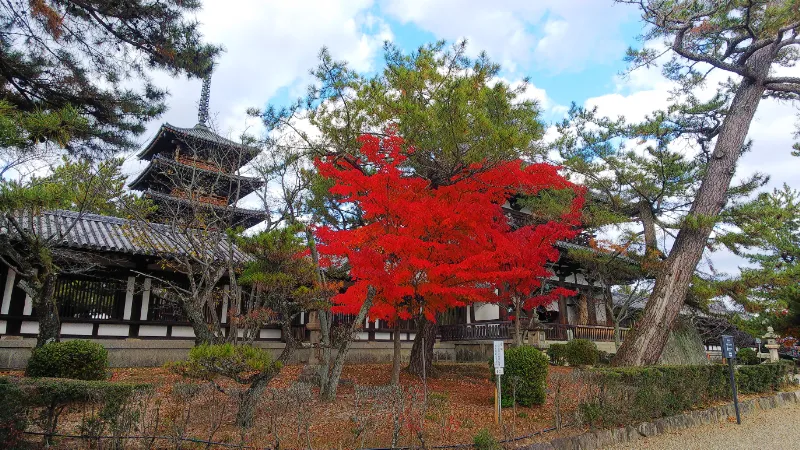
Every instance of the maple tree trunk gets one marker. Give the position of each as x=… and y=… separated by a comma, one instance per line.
x=328, y=391
x=644, y=344
x=517, y=330
x=422, y=350
x=46, y=309
x=397, y=355
x=194, y=314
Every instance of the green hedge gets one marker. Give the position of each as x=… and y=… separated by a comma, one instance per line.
x=763, y=377
x=526, y=374
x=557, y=354
x=581, y=352
x=621, y=396
x=43, y=400
x=747, y=356
x=78, y=359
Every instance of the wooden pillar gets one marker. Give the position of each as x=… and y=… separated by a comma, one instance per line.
x=563, y=314
x=591, y=303
x=145, y=298
x=126, y=313
x=9, y=289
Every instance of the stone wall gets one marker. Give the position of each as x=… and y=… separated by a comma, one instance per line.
x=629, y=434
x=14, y=352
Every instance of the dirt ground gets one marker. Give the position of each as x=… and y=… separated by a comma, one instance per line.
x=460, y=402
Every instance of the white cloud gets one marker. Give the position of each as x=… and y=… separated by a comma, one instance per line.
x=557, y=35
x=772, y=130
x=269, y=46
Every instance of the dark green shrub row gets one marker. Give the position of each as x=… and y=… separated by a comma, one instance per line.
x=581, y=352
x=80, y=360
x=524, y=377
x=43, y=400
x=557, y=354
x=621, y=396
x=763, y=377
x=747, y=356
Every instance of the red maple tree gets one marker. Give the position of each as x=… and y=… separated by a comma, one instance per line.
x=427, y=248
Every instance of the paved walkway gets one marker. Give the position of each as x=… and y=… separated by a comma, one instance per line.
x=773, y=429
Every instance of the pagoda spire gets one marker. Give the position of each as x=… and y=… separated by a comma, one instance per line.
x=205, y=94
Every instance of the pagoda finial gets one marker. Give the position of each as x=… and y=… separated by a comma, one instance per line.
x=205, y=94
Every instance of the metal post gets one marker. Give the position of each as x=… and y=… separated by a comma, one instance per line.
x=735, y=396
x=499, y=401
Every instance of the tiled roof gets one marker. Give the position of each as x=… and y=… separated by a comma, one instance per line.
x=252, y=215
x=247, y=184
x=81, y=231
x=198, y=132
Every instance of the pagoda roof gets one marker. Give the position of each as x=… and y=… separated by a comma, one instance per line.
x=246, y=184
x=197, y=133
x=241, y=216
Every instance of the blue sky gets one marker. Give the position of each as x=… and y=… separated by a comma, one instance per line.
x=572, y=51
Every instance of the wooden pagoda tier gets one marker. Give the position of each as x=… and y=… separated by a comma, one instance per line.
x=166, y=175
x=210, y=210
x=200, y=145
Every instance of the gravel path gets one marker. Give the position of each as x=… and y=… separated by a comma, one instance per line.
x=773, y=429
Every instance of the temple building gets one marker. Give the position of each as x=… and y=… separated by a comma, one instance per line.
x=193, y=172
x=193, y=178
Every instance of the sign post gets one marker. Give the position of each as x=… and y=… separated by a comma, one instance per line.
x=499, y=364
x=729, y=353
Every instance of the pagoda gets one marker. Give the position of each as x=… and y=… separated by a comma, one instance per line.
x=192, y=172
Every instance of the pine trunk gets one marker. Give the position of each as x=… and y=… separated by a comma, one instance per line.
x=644, y=344
x=422, y=350
x=396, y=360
x=517, y=318
x=47, y=310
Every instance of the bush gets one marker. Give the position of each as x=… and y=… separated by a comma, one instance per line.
x=763, y=378
x=581, y=352
x=557, y=354
x=13, y=418
x=48, y=398
x=79, y=360
x=623, y=396
x=525, y=373
x=747, y=356
x=232, y=361
x=485, y=441
x=604, y=358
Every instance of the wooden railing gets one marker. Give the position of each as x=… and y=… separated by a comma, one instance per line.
x=475, y=331
x=558, y=332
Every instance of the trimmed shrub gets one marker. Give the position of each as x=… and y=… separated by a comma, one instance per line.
x=623, y=396
x=604, y=358
x=557, y=354
x=761, y=378
x=747, y=356
x=13, y=418
x=581, y=352
x=44, y=399
x=206, y=361
x=526, y=375
x=78, y=359
x=485, y=441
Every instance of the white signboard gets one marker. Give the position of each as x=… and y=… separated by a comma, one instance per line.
x=499, y=357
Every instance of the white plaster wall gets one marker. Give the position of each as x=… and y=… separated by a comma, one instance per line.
x=152, y=330
x=3, y=325
x=107, y=329
x=82, y=329
x=601, y=312
x=486, y=311
x=182, y=332
x=29, y=328
x=383, y=336
x=270, y=333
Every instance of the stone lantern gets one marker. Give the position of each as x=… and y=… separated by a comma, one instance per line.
x=772, y=344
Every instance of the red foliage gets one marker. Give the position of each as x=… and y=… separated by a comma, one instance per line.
x=432, y=248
